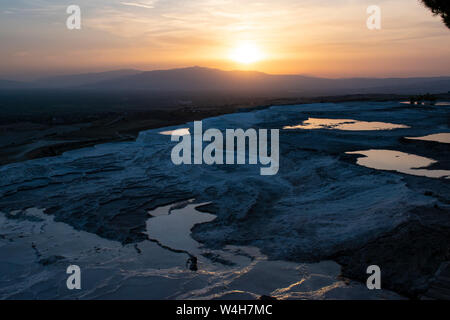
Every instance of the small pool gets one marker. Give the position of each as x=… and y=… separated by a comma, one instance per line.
x=179, y=132
x=438, y=137
x=171, y=227
x=399, y=161
x=345, y=124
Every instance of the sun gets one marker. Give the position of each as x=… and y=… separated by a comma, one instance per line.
x=246, y=53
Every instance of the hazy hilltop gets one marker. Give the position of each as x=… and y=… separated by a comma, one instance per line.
x=206, y=79
x=8, y=84
x=198, y=79
x=77, y=80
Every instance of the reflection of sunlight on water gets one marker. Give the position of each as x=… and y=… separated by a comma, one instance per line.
x=439, y=137
x=400, y=162
x=178, y=132
x=345, y=124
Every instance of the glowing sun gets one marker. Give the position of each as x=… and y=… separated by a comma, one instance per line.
x=246, y=53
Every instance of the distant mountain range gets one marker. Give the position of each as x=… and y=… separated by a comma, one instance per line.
x=7, y=84
x=78, y=80
x=197, y=79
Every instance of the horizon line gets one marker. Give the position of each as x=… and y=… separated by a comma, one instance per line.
x=55, y=75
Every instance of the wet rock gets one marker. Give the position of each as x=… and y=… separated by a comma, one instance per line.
x=267, y=298
x=51, y=260
x=408, y=257
x=440, y=284
x=216, y=258
x=191, y=263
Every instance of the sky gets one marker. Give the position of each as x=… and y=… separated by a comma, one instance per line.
x=327, y=38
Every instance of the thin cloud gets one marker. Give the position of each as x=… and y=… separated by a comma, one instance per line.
x=147, y=5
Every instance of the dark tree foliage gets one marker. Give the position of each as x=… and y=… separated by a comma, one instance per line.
x=440, y=7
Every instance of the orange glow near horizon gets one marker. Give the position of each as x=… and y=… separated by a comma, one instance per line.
x=329, y=39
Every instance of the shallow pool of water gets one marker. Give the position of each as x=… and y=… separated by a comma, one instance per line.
x=399, y=161
x=179, y=132
x=439, y=137
x=345, y=124
x=171, y=227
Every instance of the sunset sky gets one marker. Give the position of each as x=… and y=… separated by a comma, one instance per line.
x=315, y=37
